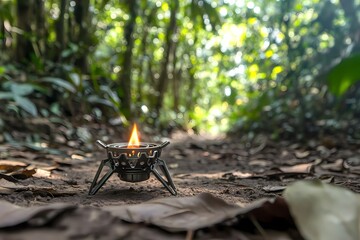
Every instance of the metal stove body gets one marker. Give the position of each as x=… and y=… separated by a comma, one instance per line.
x=133, y=164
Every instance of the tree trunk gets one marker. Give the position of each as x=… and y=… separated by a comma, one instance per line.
x=176, y=82
x=60, y=27
x=2, y=35
x=169, y=44
x=82, y=20
x=125, y=80
x=24, y=49
x=190, y=97
x=41, y=28
x=189, y=102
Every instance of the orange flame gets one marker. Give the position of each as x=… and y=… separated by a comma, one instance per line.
x=134, y=139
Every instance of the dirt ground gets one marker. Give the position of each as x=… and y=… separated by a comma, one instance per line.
x=232, y=169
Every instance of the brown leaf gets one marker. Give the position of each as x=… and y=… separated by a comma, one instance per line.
x=41, y=173
x=302, y=154
x=23, y=173
x=10, y=165
x=12, y=215
x=236, y=175
x=273, y=188
x=90, y=223
x=300, y=168
x=178, y=214
x=260, y=163
x=336, y=166
x=181, y=215
x=192, y=213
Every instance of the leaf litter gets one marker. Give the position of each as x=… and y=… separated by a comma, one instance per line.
x=309, y=210
x=228, y=170
x=15, y=170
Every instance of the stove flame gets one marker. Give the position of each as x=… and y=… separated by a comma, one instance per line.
x=134, y=139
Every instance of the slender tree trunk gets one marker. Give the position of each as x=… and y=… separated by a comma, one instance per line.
x=24, y=48
x=60, y=27
x=190, y=98
x=125, y=78
x=2, y=35
x=41, y=28
x=176, y=82
x=169, y=44
x=189, y=102
x=82, y=19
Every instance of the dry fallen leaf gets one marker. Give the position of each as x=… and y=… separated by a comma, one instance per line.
x=204, y=210
x=181, y=215
x=41, y=173
x=302, y=154
x=178, y=214
x=323, y=211
x=260, y=163
x=13, y=170
x=273, y=188
x=10, y=165
x=12, y=215
x=23, y=173
x=336, y=166
x=300, y=168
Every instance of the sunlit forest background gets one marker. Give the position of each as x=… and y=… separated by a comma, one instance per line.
x=288, y=68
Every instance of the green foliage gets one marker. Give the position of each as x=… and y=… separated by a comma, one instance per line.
x=65, y=85
x=256, y=65
x=19, y=94
x=344, y=75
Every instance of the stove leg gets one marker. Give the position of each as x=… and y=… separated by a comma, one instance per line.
x=95, y=185
x=169, y=184
x=165, y=170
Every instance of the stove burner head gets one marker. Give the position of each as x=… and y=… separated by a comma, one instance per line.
x=133, y=164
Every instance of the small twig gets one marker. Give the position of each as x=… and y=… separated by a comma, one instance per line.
x=258, y=227
x=189, y=235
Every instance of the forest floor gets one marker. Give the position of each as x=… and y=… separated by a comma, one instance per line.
x=225, y=167
x=228, y=168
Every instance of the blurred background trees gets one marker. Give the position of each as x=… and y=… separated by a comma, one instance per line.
x=286, y=67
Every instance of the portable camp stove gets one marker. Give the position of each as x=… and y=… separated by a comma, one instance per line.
x=133, y=164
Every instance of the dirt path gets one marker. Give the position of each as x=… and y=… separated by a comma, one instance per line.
x=230, y=169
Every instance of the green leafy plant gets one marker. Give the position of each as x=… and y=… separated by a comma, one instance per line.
x=19, y=93
x=344, y=75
